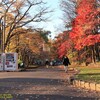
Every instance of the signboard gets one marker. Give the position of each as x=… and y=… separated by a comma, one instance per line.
x=11, y=61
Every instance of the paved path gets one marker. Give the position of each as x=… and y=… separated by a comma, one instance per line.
x=41, y=84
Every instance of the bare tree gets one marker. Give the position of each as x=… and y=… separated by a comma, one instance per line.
x=68, y=7
x=19, y=13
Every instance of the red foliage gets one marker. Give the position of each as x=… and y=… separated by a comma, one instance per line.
x=63, y=43
x=63, y=49
x=82, y=34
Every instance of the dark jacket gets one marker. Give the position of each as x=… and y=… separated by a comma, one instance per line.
x=66, y=61
x=47, y=62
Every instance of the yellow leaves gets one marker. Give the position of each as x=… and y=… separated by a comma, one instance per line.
x=19, y=4
x=30, y=41
x=9, y=17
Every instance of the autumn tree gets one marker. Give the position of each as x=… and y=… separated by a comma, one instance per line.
x=28, y=44
x=62, y=44
x=44, y=34
x=84, y=33
x=83, y=16
x=19, y=13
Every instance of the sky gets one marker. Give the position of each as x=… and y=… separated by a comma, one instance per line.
x=55, y=21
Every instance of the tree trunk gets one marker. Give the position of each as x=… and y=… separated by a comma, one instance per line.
x=97, y=49
x=93, y=54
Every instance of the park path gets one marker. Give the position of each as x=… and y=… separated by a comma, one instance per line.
x=42, y=84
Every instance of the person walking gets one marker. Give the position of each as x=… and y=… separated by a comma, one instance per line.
x=47, y=63
x=66, y=62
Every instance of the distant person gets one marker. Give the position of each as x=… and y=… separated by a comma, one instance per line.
x=47, y=63
x=66, y=62
x=51, y=63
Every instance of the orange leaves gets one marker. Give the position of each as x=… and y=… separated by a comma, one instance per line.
x=91, y=39
x=83, y=33
x=87, y=41
x=63, y=43
x=63, y=49
x=83, y=25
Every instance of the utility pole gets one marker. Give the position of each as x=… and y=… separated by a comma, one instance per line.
x=1, y=35
x=3, y=28
x=4, y=33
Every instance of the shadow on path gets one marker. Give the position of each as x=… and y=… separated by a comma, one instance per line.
x=50, y=97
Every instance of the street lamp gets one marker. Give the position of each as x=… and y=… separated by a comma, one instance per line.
x=50, y=40
x=1, y=35
x=2, y=27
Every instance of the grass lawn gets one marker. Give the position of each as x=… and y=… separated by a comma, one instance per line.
x=89, y=74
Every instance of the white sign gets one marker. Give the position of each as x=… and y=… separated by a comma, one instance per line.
x=11, y=61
